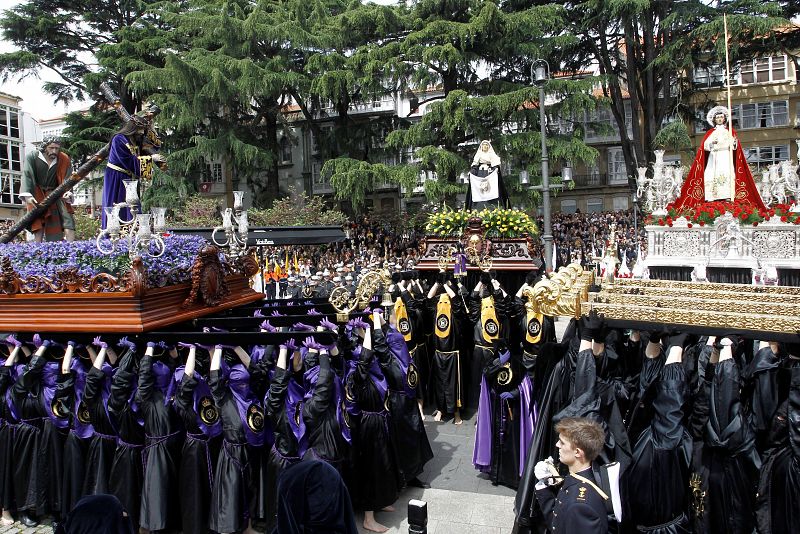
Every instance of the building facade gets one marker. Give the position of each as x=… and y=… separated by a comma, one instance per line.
x=12, y=156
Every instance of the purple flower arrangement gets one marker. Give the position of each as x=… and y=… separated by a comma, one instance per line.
x=46, y=259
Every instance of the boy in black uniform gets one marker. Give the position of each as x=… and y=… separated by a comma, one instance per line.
x=576, y=504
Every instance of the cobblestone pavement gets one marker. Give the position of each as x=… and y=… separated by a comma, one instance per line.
x=19, y=528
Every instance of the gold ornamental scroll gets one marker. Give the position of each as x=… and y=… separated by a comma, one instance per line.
x=562, y=293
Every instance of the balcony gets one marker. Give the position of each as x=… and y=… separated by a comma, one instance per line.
x=585, y=181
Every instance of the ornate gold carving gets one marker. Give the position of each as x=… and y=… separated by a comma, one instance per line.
x=705, y=286
x=369, y=286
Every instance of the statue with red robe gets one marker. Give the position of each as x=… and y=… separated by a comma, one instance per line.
x=719, y=171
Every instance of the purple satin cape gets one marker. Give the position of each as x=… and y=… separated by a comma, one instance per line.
x=527, y=420
x=50, y=373
x=239, y=385
x=200, y=391
x=82, y=430
x=294, y=401
x=482, y=452
x=310, y=378
x=399, y=349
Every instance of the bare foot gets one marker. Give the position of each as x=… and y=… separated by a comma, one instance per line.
x=389, y=508
x=457, y=420
x=437, y=415
x=370, y=523
x=6, y=522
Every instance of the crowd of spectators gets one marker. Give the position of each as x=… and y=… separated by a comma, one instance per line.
x=584, y=236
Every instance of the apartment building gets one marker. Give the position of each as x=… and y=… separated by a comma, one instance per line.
x=12, y=155
x=765, y=106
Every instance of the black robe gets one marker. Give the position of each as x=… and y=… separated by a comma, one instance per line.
x=411, y=443
x=323, y=431
x=198, y=456
x=376, y=479
x=127, y=473
x=447, y=369
x=727, y=464
x=655, y=486
x=94, y=409
x=506, y=421
x=287, y=448
x=160, y=505
x=8, y=424
x=29, y=447
x=231, y=494
x=778, y=502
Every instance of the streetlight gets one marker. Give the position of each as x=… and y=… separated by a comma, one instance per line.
x=540, y=73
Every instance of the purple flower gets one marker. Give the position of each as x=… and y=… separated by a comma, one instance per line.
x=48, y=258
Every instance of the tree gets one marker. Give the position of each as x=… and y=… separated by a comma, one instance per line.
x=646, y=53
x=477, y=54
x=83, y=42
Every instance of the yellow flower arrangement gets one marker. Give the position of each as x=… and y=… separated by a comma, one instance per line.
x=504, y=223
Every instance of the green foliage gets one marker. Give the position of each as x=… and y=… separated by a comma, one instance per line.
x=86, y=226
x=197, y=211
x=166, y=191
x=297, y=210
x=673, y=137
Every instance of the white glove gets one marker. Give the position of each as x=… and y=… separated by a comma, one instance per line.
x=159, y=158
x=496, y=285
x=541, y=470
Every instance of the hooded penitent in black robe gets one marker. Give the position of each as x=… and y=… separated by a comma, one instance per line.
x=8, y=423
x=160, y=508
x=325, y=416
x=76, y=446
x=490, y=329
x=407, y=429
x=376, y=479
x=778, y=501
x=314, y=500
x=447, y=369
x=505, y=426
x=195, y=405
x=29, y=450
x=283, y=407
x=727, y=464
x=655, y=486
x=93, y=410
x=126, y=477
x=242, y=419
x=54, y=433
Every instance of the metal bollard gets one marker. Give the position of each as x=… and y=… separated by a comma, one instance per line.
x=417, y=517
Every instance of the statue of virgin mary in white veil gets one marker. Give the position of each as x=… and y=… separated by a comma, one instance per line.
x=486, y=188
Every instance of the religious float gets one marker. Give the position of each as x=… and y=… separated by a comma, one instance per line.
x=719, y=224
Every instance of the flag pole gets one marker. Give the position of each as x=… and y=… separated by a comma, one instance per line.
x=732, y=162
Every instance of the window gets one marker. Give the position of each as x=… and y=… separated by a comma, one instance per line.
x=710, y=76
x=324, y=135
x=620, y=203
x=594, y=205
x=569, y=206
x=761, y=115
x=387, y=204
x=761, y=157
x=317, y=176
x=286, y=150
x=9, y=189
x=616, y=167
x=764, y=69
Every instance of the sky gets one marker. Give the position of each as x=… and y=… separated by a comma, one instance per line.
x=34, y=100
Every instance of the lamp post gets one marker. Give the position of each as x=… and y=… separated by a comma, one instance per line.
x=540, y=72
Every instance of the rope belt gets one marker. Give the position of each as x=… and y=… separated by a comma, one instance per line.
x=203, y=439
x=120, y=169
